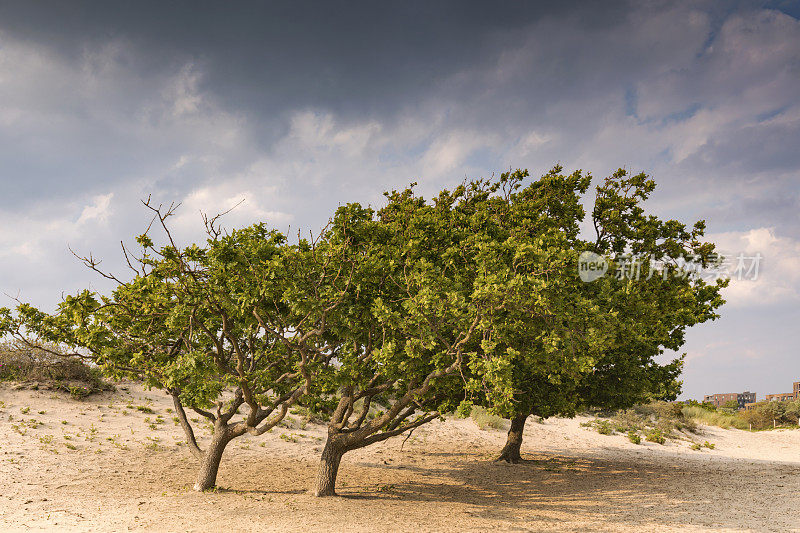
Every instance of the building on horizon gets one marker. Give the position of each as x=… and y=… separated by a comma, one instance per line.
x=741, y=398
x=781, y=397
x=786, y=396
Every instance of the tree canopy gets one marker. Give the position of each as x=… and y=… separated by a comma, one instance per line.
x=390, y=317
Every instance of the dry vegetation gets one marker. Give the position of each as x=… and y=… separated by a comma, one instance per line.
x=659, y=422
x=37, y=368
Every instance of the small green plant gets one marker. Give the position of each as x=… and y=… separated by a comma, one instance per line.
x=78, y=392
x=708, y=445
x=655, y=435
x=31, y=423
x=634, y=437
x=604, y=427
x=92, y=434
x=144, y=409
x=70, y=446
x=46, y=439
x=288, y=438
x=119, y=445
x=696, y=446
x=25, y=410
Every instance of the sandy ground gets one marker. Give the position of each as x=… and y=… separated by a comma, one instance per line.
x=99, y=465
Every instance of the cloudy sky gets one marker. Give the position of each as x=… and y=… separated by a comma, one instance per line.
x=297, y=107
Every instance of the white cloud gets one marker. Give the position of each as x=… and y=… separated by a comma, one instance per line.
x=450, y=152
x=777, y=273
x=99, y=209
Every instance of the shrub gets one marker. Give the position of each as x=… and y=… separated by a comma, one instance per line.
x=706, y=417
x=484, y=418
x=464, y=409
x=696, y=446
x=23, y=363
x=288, y=438
x=655, y=435
x=763, y=415
x=634, y=437
x=628, y=420
x=318, y=413
x=604, y=427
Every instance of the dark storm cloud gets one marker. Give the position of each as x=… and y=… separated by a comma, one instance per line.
x=263, y=60
x=349, y=57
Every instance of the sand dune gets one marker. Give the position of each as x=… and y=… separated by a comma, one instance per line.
x=97, y=465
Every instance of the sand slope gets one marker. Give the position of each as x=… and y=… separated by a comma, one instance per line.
x=124, y=475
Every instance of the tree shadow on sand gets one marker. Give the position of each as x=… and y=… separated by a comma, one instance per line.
x=634, y=491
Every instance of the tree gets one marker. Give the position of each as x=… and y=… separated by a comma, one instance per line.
x=406, y=326
x=544, y=333
x=732, y=405
x=435, y=274
x=600, y=349
x=235, y=324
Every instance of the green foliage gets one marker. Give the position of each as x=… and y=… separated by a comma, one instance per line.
x=289, y=438
x=731, y=405
x=634, y=437
x=558, y=345
x=604, y=427
x=464, y=409
x=655, y=435
x=392, y=316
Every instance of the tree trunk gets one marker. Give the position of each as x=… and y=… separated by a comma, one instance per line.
x=328, y=468
x=209, y=465
x=510, y=453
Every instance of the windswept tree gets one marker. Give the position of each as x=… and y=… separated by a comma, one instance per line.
x=390, y=317
x=407, y=326
x=237, y=324
x=432, y=274
x=615, y=329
